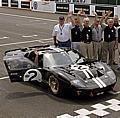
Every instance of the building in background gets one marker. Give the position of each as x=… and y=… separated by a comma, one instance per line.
x=111, y=2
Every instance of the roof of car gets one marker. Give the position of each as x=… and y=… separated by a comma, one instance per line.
x=50, y=50
x=40, y=49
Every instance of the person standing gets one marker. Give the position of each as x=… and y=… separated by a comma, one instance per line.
x=116, y=53
x=87, y=48
x=110, y=42
x=97, y=30
x=76, y=33
x=116, y=21
x=62, y=32
x=118, y=46
x=97, y=40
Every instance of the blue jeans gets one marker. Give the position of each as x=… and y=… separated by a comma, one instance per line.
x=64, y=44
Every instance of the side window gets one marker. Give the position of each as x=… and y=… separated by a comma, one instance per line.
x=13, y=64
x=18, y=64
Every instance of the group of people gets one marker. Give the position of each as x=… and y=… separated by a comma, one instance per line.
x=98, y=40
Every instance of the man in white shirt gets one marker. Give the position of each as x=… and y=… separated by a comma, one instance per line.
x=62, y=32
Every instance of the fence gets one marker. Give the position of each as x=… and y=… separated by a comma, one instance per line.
x=61, y=7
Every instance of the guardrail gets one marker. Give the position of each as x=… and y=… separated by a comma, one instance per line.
x=60, y=7
x=25, y=4
x=88, y=8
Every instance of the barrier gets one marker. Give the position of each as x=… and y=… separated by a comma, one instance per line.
x=14, y=3
x=100, y=9
x=85, y=7
x=44, y=6
x=26, y=4
x=88, y=8
x=4, y=2
x=62, y=6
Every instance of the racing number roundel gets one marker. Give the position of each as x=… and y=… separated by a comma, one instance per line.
x=35, y=5
x=33, y=74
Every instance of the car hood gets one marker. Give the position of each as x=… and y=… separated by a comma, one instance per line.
x=85, y=72
x=90, y=74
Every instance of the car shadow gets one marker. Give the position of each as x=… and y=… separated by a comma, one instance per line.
x=67, y=98
x=82, y=100
x=18, y=95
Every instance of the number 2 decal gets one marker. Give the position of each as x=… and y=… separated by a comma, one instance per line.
x=32, y=74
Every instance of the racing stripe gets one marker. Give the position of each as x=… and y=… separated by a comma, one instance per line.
x=104, y=85
x=97, y=82
x=86, y=73
x=88, y=70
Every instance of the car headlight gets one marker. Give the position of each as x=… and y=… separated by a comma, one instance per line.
x=111, y=74
x=77, y=83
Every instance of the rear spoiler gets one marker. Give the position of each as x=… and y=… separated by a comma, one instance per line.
x=27, y=48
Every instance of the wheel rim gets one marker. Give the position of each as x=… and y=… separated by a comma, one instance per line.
x=54, y=85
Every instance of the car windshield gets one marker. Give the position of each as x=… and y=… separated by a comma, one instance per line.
x=57, y=59
x=75, y=56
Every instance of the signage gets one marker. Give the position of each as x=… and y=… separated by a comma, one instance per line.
x=78, y=7
x=35, y=5
x=104, y=9
x=61, y=7
x=25, y=4
x=4, y=2
x=14, y=3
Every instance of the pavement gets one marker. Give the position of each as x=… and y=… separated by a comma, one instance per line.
x=22, y=28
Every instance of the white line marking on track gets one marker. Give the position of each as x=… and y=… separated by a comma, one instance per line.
x=1, y=78
x=35, y=35
x=25, y=36
x=28, y=17
x=8, y=44
x=47, y=39
x=5, y=37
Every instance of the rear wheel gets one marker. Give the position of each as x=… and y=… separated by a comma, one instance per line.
x=55, y=85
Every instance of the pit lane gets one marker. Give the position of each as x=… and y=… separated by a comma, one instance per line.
x=31, y=100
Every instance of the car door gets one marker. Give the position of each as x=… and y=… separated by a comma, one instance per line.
x=21, y=69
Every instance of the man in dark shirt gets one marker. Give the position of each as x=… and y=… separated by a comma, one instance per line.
x=110, y=41
x=87, y=39
x=76, y=34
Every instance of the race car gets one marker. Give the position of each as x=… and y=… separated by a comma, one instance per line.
x=60, y=69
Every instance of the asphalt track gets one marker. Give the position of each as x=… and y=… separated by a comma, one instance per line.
x=21, y=28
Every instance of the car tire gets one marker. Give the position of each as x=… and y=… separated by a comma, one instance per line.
x=55, y=86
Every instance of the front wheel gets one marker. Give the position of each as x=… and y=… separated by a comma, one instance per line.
x=55, y=85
